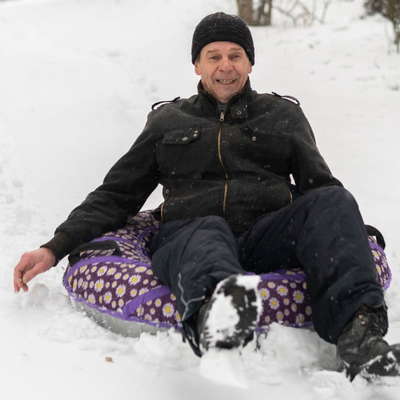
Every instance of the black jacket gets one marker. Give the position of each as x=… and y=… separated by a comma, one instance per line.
x=236, y=164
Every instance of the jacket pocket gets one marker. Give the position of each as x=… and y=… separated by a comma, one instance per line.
x=180, y=154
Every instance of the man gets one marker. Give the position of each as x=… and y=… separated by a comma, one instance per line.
x=225, y=158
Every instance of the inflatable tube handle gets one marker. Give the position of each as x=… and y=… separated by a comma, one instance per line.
x=75, y=254
x=372, y=231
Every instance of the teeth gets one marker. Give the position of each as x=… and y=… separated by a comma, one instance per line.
x=226, y=81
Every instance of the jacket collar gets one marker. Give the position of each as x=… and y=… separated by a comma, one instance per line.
x=236, y=106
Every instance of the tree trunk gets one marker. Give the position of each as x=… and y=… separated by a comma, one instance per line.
x=246, y=11
x=261, y=16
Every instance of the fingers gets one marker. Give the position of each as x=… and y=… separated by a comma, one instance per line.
x=19, y=272
x=32, y=264
x=31, y=273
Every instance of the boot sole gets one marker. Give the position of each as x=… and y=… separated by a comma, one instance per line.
x=387, y=364
x=233, y=314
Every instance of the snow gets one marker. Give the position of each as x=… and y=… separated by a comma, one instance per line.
x=228, y=318
x=224, y=367
x=223, y=314
x=77, y=79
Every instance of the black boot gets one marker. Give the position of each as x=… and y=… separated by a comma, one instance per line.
x=228, y=320
x=362, y=350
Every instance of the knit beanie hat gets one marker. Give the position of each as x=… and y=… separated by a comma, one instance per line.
x=221, y=27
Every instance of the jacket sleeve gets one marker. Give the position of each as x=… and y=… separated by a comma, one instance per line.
x=125, y=189
x=309, y=168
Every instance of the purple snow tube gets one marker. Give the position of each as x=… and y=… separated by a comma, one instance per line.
x=111, y=280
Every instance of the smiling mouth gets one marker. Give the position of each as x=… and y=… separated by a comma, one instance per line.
x=226, y=81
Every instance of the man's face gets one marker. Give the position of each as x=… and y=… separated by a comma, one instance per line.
x=224, y=68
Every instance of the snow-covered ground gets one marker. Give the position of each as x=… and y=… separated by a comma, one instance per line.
x=77, y=79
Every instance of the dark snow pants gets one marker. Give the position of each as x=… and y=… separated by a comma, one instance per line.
x=321, y=232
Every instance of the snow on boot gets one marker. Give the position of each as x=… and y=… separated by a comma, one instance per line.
x=362, y=350
x=228, y=320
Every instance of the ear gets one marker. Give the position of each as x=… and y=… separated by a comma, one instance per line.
x=197, y=69
x=250, y=69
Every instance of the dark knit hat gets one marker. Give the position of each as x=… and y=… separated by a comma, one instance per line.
x=221, y=27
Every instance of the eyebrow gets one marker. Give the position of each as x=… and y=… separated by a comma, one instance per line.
x=231, y=49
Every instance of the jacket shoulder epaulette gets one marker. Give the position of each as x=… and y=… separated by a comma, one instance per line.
x=287, y=97
x=159, y=103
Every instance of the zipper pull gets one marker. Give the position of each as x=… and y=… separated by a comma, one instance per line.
x=222, y=116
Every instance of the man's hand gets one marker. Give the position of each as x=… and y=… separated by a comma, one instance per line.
x=32, y=264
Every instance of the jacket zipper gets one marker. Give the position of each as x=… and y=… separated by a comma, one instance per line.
x=291, y=196
x=222, y=118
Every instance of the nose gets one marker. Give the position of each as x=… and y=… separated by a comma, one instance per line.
x=225, y=64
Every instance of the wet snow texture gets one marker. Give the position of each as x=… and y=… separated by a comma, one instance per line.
x=223, y=316
x=77, y=79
